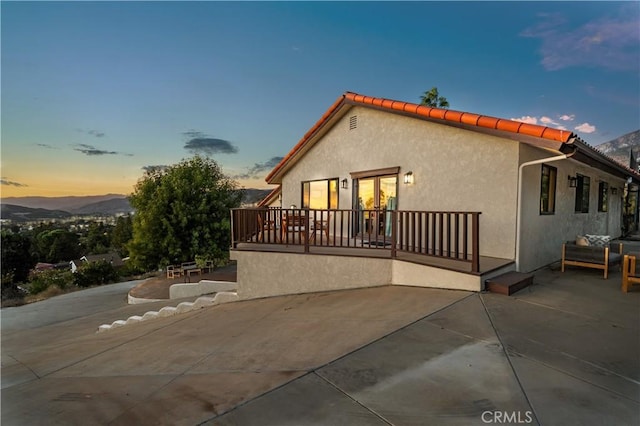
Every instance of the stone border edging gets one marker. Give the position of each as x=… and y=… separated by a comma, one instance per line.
x=167, y=311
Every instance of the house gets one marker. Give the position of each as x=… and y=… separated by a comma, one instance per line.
x=414, y=195
x=111, y=257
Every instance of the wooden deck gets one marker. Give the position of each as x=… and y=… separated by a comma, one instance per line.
x=487, y=264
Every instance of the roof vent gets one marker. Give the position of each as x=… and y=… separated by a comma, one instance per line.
x=353, y=122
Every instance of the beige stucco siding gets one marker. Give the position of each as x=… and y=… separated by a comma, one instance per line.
x=454, y=169
x=263, y=274
x=543, y=235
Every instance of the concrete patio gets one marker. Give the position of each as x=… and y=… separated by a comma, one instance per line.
x=563, y=351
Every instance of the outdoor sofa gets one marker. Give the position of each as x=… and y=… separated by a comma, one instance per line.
x=592, y=251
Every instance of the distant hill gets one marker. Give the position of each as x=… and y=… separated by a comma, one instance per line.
x=25, y=214
x=619, y=148
x=60, y=203
x=109, y=204
x=252, y=196
x=109, y=207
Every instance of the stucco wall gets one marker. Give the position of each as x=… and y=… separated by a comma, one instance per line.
x=543, y=235
x=453, y=169
x=263, y=274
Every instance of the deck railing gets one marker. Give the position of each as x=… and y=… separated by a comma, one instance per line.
x=440, y=234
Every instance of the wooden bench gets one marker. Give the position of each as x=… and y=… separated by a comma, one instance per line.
x=629, y=276
x=591, y=256
x=174, y=271
x=189, y=268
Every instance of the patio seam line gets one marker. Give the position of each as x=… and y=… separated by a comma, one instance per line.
x=313, y=370
x=27, y=367
x=108, y=349
x=521, y=355
x=506, y=354
x=183, y=373
x=243, y=403
x=567, y=312
x=333, y=385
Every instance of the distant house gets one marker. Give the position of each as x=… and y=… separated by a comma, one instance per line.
x=111, y=257
x=389, y=192
x=42, y=266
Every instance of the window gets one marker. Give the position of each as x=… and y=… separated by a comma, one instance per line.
x=583, y=185
x=603, y=199
x=320, y=194
x=548, y=190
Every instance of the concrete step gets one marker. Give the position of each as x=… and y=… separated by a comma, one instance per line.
x=509, y=283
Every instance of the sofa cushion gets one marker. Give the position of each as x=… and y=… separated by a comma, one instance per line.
x=598, y=240
x=582, y=241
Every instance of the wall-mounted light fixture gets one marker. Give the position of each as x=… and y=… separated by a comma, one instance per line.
x=408, y=178
x=614, y=191
x=344, y=183
x=573, y=181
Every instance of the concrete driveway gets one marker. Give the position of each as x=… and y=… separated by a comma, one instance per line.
x=566, y=351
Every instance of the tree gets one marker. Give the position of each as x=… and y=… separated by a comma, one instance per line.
x=57, y=245
x=433, y=99
x=97, y=240
x=182, y=212
x=122, y=234
x=16, y=257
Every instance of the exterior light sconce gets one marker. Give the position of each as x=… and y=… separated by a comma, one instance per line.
x=344, y=182
x=408, y=178
x=573, y=181
x=614, y=191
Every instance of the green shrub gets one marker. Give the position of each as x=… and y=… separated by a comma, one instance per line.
x=95, y=273
x=10, y=289
x=129, y=270
x=40, y=281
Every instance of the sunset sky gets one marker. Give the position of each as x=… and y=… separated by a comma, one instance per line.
x=94, y=92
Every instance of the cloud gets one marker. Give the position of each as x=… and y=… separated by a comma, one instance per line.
x=526, y=119
x=546, y=120
x=199, y=143
x=96, y=133
x=44, y=145
x=6, y=182
x=258, y=169
x=586, y=128
x=93, y=151
x=608, y=42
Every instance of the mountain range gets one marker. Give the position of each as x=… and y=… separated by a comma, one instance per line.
x=22, y=209
x=619, y=148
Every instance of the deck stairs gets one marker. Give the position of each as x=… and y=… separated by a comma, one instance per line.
x=509, y=283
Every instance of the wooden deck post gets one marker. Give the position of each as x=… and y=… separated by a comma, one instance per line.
x=394, y=219
x=475, y=241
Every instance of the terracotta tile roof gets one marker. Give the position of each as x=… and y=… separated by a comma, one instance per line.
x=481, y=122
x=463, y=117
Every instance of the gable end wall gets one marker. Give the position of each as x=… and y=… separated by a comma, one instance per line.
x=453, y=169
